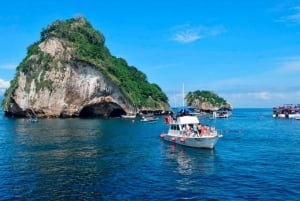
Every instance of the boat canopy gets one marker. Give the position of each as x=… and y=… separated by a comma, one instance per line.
x=187, y=120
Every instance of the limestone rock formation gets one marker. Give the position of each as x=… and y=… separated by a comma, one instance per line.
x=60, y=77
x=207, y=106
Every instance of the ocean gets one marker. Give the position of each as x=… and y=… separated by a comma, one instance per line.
x=258, y=158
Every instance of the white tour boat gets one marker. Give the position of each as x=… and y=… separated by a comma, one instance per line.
x=186, y=130
x=287, y=111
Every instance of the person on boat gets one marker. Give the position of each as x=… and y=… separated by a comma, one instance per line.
x=188, y=130
x=184, y=130
x=199, y=128
x=195, y=130
x=205, y=130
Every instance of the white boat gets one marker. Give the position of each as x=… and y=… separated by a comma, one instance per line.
x=294, y=116
x=221, y=114
x=186, y=130
x=287, y=111
x=149, y=119
x=129, y=116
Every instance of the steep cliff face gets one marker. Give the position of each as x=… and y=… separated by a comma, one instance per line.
x=55, y=80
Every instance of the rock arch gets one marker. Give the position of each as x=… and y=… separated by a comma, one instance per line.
x=103, y=109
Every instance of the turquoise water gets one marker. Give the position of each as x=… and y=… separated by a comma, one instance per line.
x=258, y=158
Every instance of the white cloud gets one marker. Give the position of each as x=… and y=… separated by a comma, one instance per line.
x=290, y=65
x=187, y=33
x=294, y=17
x=264, y=95
x=262, y=98
x=187, y=36
x=3, y=85
x=283, y=75
x=8, y=66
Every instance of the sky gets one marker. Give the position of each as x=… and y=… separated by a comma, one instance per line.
x=247, y=52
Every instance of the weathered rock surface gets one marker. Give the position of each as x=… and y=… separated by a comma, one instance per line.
x=206, y=106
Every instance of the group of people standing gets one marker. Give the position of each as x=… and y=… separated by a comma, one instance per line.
x=196, y=130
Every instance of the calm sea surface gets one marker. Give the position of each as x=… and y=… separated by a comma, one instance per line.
x=258, y=158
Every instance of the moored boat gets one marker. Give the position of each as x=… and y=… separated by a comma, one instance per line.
x=129, y=116
x=221, y=114
x=149, y=119
x=287, y=111
x=186, y=130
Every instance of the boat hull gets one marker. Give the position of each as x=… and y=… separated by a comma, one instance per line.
x=128, y=116
x=149, y=119
x=196, y=142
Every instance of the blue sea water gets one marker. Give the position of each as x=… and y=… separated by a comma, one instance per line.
x=258, y=158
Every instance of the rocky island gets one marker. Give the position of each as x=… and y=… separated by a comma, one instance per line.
x=206, y=101
x=70, y=72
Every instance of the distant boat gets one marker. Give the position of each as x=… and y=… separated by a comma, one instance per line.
x=287, y=111
x=129, y=116
x=186, y=130
x=149, y=118
x=221, y=114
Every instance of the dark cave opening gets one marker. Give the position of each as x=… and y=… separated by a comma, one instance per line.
x=117, y=113
x=102, y=110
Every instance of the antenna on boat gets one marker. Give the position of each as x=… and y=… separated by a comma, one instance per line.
x=182, y=94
